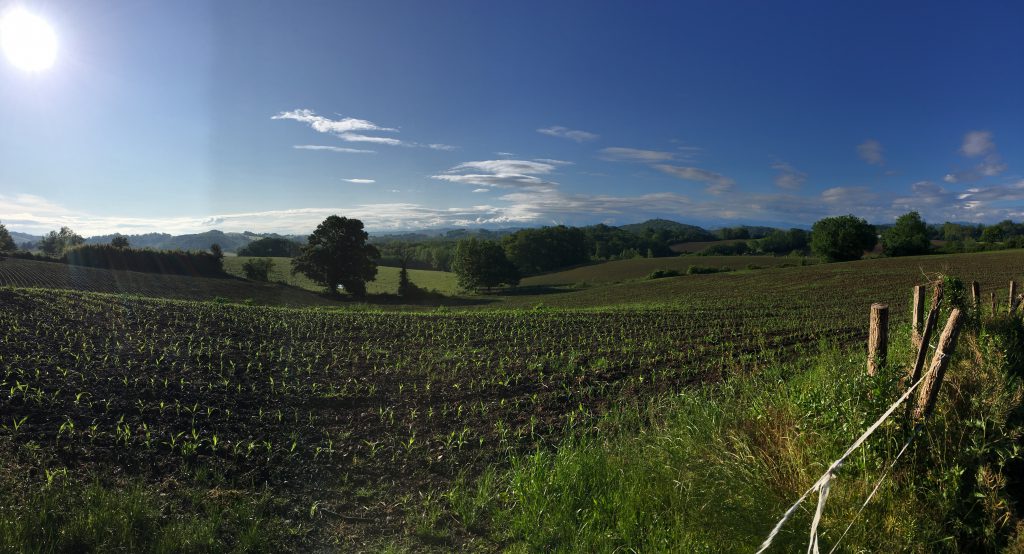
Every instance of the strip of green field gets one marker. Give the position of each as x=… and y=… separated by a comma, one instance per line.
x=385, y=283
x=639, y=268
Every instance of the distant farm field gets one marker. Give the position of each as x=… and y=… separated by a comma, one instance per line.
x=385, y=283
x=32, y=273
x=639, y=268
x=828, y=288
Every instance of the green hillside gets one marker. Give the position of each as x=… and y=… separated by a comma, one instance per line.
x=385, y=283
x=639, y=268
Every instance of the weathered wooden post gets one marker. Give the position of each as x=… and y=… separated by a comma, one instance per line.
x=976, y=295
x=992, y=295
x=926, y=337
x=878, y=337
x=918, y=316
x=1013, y=295
x=940, y=361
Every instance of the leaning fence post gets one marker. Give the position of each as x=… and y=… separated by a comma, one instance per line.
x=878, y=337
x=940, y=361
x=918, y=315
x=1013, y=295
x=926, y=337
x=976, y=294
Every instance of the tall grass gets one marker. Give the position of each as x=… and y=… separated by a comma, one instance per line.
x=712, y=470
x=68, y=516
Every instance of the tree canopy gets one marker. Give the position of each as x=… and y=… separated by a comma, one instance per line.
x=908, y=237
x=271, y=247
x=842, y=238
x=547, y=248
x=55, y=243
x=337, y=254
x=6, y=242
x=119, y=241
x=482, y=264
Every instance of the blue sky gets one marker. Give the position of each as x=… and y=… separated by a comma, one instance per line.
x=269, y=116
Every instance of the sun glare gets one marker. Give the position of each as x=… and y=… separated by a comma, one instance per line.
x=27, y=40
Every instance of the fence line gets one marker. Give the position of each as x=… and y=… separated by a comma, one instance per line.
x=829, y=473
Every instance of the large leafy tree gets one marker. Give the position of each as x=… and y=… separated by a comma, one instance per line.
x=6, y=242
x=843, y=238
x=547, y=248
x=908, y=237
x=482, y=264
x=337, y=254
x=55, y=243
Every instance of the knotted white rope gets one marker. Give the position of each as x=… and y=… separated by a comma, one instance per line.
x=823, y=482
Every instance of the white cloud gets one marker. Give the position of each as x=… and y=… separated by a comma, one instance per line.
x=438, y=146
x=571, y=134
x=325, y=125
x=552, y=162
x=871, y=152
x=716, y=183
x=977, y=143
x=789, y=177
x=502, y=174
x=621, y=154
x=350, y=129
x=357, y=137
x=481, y=190
x=361, y=181
x=333, y=149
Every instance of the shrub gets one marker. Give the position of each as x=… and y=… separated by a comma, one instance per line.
x=258, y=269
x=701, y=270
x=662, y=273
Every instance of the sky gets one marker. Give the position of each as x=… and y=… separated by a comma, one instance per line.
x=188, y=116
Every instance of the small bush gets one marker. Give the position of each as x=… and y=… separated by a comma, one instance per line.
x=662, y=273
x=258, y=269
x=701, y=270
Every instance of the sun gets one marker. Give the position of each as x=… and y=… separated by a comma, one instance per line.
x=27, y=40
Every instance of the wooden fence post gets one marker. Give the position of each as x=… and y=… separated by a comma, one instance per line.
x=976, y=294
x=926, y=337
x=918, y=315
x=992, y=295
x=878, y=337
x=940, y=361
x=1013, y=295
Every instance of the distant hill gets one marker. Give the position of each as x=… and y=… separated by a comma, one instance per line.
x=682, y=231
x=20, y=238
x=229, y=242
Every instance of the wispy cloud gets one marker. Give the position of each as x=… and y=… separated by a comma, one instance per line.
x=357, y=137
x=325, y=125
x=361, y=181
x=502, y=174
x=350, y=129
x=621, y=154
x=978, y=144
x=871, y=152
x=789, y=177
x=341, y=149
x=571, y=134
x=716, y=183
